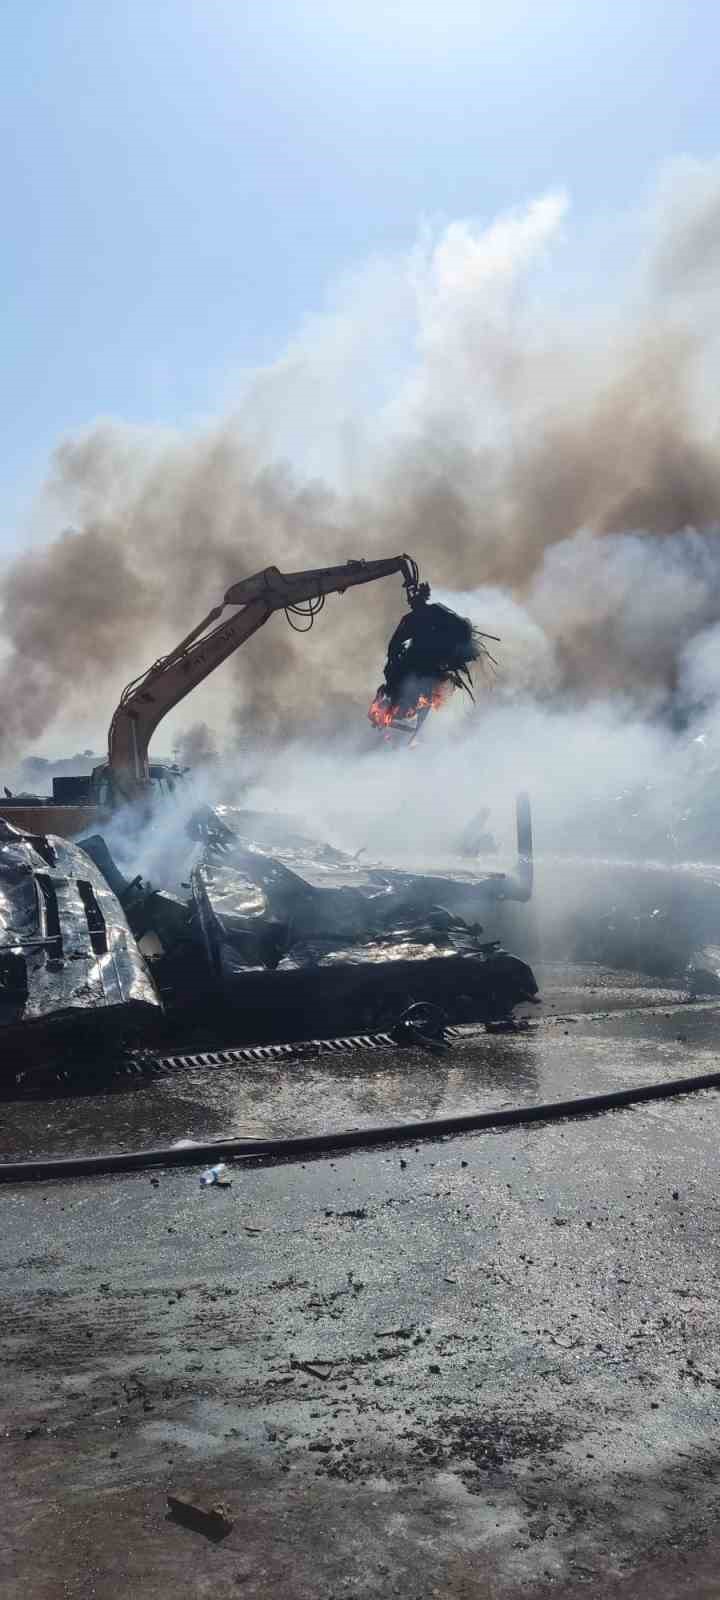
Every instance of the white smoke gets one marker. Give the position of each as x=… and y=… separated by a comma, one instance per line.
x=558, y=477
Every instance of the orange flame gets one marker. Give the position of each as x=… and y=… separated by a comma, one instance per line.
x=385, y=716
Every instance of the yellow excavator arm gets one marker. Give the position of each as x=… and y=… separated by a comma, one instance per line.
x=150, y=697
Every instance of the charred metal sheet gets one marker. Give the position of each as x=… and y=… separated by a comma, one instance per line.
x=472, y=890
x=328, y=937
x=288, y=1004
x=66, y=952
x=148, y=910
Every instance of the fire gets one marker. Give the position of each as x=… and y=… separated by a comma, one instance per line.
x=436, y=699
x=384, y=715
x=381, y=714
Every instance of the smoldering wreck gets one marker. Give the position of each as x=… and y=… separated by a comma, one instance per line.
x=277, y=940
x=280, y=935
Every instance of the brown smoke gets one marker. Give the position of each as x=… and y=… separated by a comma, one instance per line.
x=600, y=434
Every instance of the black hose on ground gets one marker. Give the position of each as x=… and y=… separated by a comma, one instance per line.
x=353, y=1138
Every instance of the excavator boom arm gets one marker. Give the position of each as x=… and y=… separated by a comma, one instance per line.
x=149, y=698
x=293, y=588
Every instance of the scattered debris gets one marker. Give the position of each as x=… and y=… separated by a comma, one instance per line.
x=214, y=1522
x=312, y=1368
x=217, y=1176
x=515, y=1024
x=422, y=1025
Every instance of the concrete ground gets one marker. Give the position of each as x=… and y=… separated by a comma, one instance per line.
x=480, y=1367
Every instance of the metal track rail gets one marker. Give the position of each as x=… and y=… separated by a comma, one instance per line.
x=307, y=1049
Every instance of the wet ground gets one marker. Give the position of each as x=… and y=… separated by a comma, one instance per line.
x=562, y=1050
x=480, y=1367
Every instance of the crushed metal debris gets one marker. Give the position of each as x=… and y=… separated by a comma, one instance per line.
x=272, y=935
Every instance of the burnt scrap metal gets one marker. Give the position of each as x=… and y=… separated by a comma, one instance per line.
x=151, y=913
x=67, y=955
x=307, y=926
x=430, y=654
x=284, y=939
x=301, y=938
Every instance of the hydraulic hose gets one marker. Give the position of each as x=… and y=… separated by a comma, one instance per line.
x=305, y=1144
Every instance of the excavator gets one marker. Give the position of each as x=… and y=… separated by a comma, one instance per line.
x=128, y=776
x=303, y=931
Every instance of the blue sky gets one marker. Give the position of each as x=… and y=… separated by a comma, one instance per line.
x=183, y=179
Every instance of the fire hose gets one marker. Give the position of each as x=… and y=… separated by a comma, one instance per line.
x=308, y=1144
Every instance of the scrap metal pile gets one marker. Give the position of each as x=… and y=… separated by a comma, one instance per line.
x=431, y=653
x=314, y=927
x=278, y=940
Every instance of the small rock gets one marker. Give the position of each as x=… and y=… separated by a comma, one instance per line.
x=433, y=1368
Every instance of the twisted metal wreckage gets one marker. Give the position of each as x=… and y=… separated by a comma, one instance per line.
x=282, y=935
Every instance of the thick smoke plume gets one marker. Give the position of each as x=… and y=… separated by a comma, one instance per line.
x=559, y=468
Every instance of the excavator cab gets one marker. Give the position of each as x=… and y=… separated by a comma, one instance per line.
x=107, y=796
x=166, y=779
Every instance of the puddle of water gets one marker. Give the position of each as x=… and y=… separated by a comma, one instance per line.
x=558, y=1059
